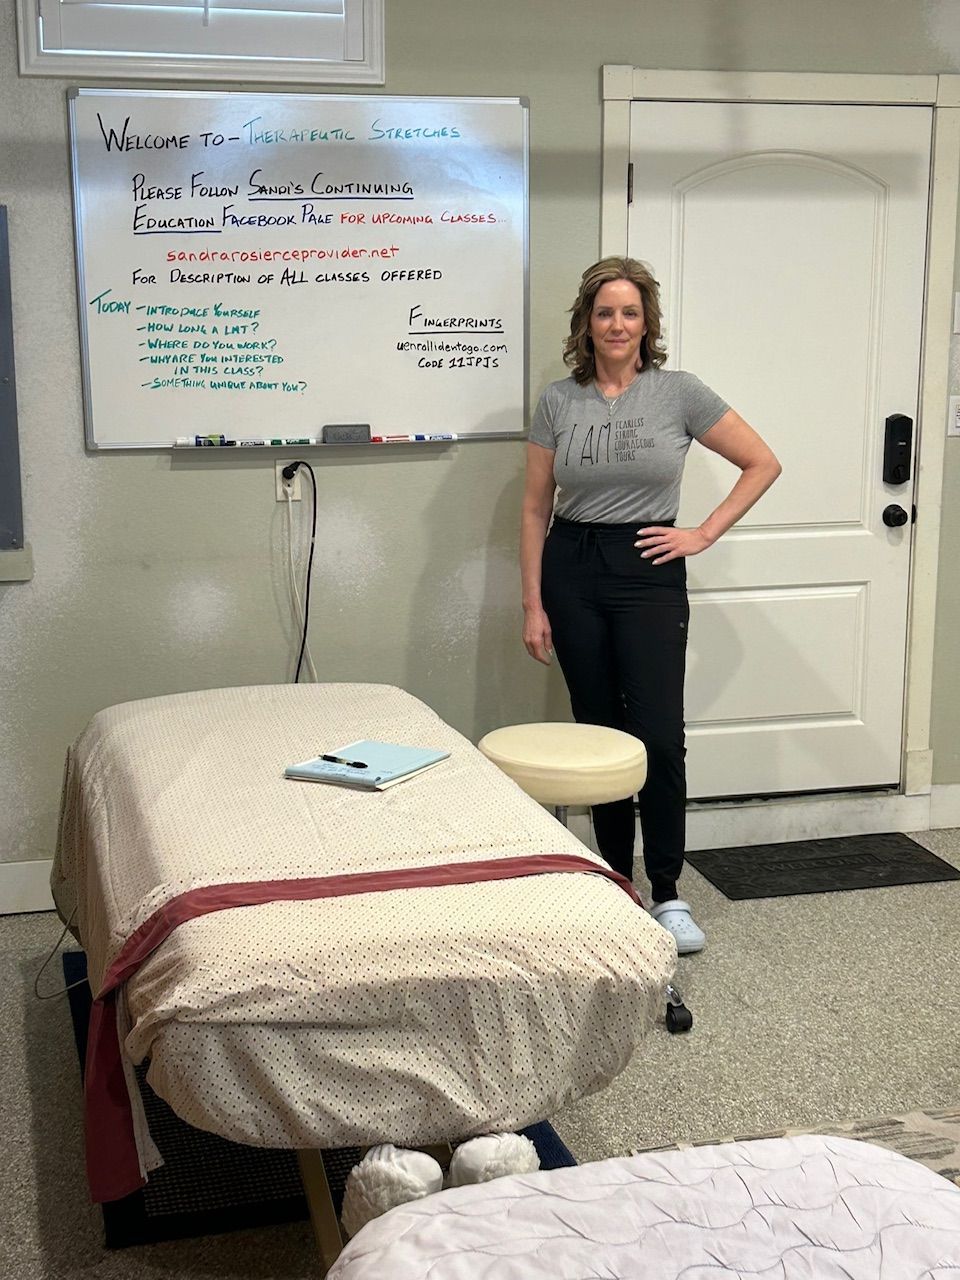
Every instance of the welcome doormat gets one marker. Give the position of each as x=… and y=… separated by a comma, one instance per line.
x=820, y=866
x=208, y=1185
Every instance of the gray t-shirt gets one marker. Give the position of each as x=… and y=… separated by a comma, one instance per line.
x=620, y=463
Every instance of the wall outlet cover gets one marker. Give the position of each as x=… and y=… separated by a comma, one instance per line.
x=294, y=484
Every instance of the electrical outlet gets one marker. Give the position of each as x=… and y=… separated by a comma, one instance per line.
x=285, y=486
x=953, y=416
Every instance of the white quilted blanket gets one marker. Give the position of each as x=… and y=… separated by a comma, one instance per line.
x=802, y=1208
x=413, y=1015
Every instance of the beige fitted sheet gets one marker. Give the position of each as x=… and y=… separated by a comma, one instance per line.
x=412, y=1015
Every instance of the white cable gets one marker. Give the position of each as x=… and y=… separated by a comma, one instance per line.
x=293, y=580
x=62, y=991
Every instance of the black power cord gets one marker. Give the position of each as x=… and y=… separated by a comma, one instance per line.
x=288, y=472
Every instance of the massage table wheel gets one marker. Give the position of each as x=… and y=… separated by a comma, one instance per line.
x=679, y=1017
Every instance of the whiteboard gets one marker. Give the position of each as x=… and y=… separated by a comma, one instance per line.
x=254, y=267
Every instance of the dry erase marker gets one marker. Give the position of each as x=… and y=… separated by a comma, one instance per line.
x=288, y=440
x=250, y=444
x=408, y=439
x=198, y=442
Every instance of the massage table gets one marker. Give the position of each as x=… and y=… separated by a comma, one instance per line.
x=306, y=966
x=799, y=1208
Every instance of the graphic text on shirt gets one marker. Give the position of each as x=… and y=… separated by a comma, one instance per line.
x=595, y=445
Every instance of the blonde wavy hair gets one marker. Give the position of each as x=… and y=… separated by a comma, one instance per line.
x=578, y=348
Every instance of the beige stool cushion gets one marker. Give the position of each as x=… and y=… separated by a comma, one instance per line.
x=560, y=763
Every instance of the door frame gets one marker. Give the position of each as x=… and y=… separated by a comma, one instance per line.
x=623, y=85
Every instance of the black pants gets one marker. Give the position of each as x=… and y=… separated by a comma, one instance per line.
x=620, y=634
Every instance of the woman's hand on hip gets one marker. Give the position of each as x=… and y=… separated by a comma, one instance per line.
x=537, y=636
x=663, y=542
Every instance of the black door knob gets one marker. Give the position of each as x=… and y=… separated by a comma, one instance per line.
x=894, y=516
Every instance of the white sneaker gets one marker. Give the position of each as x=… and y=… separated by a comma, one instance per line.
x=675, y=917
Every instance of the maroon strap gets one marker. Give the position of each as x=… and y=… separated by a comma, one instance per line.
x=113, y=1169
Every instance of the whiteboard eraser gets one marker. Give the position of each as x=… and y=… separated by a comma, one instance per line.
x=346, y=433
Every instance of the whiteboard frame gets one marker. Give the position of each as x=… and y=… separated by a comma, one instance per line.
x=75, y=92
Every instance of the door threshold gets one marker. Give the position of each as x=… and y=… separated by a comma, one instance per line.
x=792, y=797
x=722, y=824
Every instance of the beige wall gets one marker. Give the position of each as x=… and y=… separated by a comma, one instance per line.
x=160, y=572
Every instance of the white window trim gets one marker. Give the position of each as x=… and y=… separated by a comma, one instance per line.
x=369, y=69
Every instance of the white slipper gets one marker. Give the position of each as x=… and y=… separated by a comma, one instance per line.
x=676, y=919
x=385, y=1177
x=492, y=1156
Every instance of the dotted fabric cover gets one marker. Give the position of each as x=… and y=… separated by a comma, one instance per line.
x=415, y=1015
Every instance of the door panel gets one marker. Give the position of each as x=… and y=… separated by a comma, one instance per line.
x=789, y=241
x=752, y=687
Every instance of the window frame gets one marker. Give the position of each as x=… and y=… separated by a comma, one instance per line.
x=37, y=61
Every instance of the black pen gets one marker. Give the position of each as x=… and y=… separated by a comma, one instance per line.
x=354, y=764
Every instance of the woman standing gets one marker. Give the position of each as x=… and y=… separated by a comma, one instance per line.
x=607, y=587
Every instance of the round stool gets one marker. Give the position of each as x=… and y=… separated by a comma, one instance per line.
x=563, y=764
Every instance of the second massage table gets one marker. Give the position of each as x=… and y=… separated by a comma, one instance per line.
x=307, y=966
x=802, y=1208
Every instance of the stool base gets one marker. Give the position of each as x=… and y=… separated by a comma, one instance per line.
x=678, y=1016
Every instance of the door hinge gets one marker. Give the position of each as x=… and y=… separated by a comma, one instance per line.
x=630, y=183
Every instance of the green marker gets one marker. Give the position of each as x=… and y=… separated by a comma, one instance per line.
x=288, y=440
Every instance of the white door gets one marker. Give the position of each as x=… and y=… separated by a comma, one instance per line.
x=789, y=241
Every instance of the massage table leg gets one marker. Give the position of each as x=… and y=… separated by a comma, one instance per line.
x=323, y=1216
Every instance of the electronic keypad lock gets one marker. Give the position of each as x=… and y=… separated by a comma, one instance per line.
x=898, y=437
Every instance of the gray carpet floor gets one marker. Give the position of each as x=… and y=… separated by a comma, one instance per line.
x=808, y=1011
